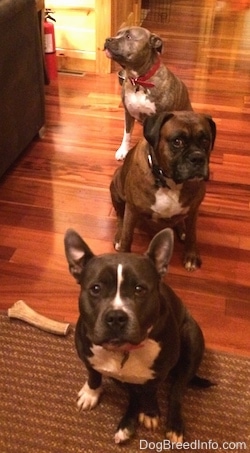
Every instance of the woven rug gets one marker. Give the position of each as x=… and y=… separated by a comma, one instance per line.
x=40, y=375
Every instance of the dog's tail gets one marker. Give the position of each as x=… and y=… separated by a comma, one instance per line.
x=197, y=381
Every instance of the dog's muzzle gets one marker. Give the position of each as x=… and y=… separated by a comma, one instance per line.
x=112, y=326
x=111, y=48
x=115, y=327
x=192, y=166
x=197, y=159
x=116, y=321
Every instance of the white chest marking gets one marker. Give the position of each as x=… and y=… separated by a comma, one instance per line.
x=167, y=203
x=138, y=103
x=135, y=370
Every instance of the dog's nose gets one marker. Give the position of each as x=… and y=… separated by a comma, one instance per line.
x=116, y=318
x=197, y=158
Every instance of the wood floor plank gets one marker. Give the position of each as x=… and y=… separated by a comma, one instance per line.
x=62, y=180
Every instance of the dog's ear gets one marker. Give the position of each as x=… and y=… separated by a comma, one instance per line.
x=156, y=42
x=152, y=126
x=160, y=250
x=212, y=127
x=77, y=253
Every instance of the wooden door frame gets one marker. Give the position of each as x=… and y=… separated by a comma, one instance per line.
x=106, y=25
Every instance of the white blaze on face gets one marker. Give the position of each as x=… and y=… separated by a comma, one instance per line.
x=118, y=303
x=138, y=366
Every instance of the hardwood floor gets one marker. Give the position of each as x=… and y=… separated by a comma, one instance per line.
x=63, y=179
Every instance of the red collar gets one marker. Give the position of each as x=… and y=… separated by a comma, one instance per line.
x=142, y=80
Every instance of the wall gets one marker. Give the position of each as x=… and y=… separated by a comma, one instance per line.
x=82, y=26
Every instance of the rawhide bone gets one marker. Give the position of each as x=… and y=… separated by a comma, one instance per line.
x=20, y=310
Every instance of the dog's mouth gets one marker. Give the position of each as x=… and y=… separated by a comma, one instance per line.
x=192, y=175
x=197, y=177
x=108, y=53
x=116, y=345
x=113, y=53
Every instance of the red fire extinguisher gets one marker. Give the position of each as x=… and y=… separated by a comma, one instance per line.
x=50, y=45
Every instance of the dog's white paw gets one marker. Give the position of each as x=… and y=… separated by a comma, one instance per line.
x=88, y=398
x=148, y=422
x=121, y=152
x=122, y=435
x=183, y=236
x=192, y=264
x=117, y=246
x=174, y=437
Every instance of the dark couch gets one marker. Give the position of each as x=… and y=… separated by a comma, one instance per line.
x=21, y=78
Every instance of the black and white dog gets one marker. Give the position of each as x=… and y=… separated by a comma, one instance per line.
x=134, y=328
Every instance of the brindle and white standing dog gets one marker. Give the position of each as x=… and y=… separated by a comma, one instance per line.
x=149, y=86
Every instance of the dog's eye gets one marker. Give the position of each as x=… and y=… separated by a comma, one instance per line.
x=178, y=143
x=140, y=290
x=205, y=142
x=128, y=36
x=95, y=290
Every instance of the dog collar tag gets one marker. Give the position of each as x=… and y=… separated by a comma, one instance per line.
x=138, y=81
x=159, y=174
x=143, y=79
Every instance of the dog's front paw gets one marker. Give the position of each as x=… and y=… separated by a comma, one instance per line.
x=121, y=152
x=180, y=229
x=174, y=437
x=192, y=261
x=149, y=422
x=88, y=398
x=117, y=246
x=125, y=429
x=122, y=435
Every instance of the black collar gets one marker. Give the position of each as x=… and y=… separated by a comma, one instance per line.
x=158, y=173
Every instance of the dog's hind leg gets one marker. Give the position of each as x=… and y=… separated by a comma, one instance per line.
x=192, y=347
x=175, y=423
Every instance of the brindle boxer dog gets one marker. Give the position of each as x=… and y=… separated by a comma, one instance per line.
x=149, y=87
x=163, y=179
